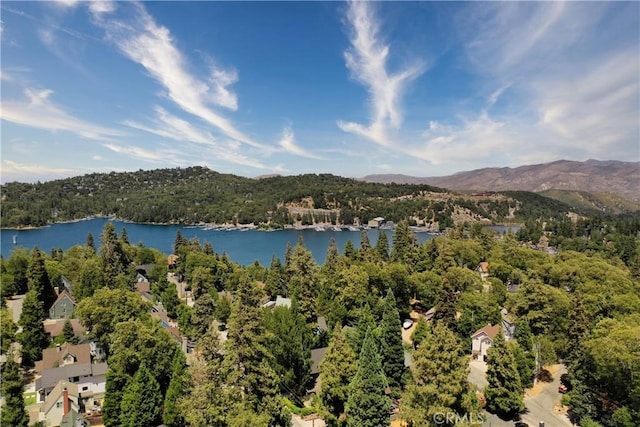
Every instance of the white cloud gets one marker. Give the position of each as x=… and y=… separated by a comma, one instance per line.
x=10, y=171
x=152, y=46
x=366, y=60
x=288, y=143
x=169, y=126
x=99, y=7
x=98, y=158
x=40, y=112
x=158, y=155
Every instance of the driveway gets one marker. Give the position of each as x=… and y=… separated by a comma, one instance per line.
x=478, y=373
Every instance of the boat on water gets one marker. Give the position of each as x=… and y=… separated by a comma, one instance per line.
x=353, y=228
x=336, y=228
x=15, y=239
x=318, y=228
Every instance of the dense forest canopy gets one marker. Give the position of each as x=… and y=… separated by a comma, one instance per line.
x=579, y=305
x=199, y=195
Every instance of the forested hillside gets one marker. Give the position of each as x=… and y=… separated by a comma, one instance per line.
x=196, y=194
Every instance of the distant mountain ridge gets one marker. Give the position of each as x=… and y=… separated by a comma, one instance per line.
x=594, y=176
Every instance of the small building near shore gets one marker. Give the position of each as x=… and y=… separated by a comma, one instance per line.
x=376, y=222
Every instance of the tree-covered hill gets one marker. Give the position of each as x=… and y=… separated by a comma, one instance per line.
x=197, y=194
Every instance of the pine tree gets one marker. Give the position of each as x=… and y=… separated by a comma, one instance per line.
x=523, y=352
x=38, y=279
x=247, y=365
x=382, y=246
x=446, y=305
x=331, y=259
x=275, y=284
x=68, y=334
x=337, y=369
x=350, y=250
x=33, y=337
x=290, y=345
x=203, y=313
x=391, y=350
x=12, y=412
x=113, y=259
x=404, y=242
x=90, y=242
x=8, y=330
x=171, y=415
x=366, y=251
x=302, y=271
x=366, y=322
x=440, y=371
x=368, y=405
x=504, y=390
x=141, y=400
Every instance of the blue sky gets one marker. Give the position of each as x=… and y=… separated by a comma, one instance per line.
x=254, y=88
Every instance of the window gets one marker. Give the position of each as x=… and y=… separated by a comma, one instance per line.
x=74, y=379
x=85, y=388
x=58, y=404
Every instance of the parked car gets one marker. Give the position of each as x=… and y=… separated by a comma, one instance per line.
x=407, y=323
x=562, y=388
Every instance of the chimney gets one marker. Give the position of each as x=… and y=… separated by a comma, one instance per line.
x=65, y=401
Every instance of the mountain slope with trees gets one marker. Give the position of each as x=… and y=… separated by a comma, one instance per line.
x=198, y=195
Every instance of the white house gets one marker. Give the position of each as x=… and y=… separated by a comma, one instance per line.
x=482, y=339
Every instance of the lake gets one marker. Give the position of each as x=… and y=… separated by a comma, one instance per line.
x=243, y=247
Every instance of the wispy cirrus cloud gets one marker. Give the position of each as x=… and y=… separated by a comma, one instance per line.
x=157, y=155
x=574, y=90
x=366, y=60
x=38, y=111
x=30, y=172
x=152, y=46
x=167, y=125
x=288, y=144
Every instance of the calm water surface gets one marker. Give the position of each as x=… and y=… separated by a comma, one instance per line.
x=243, y=247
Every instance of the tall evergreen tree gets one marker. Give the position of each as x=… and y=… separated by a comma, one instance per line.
x=367, y=404
x=113, y=258
x=391, y=350
x=523, y=352
x=171, y=415
x=504, y=390
x=12, y=412
x=366, y=251
x=33, y=338
x=141, y=400
x=446, y=305
x=331, y=260
x=440, y=371
x=404, y=242
x=350, y=250
x=302, y=283
x=366, y=323
x=38, y=279
x=8, y=330
x=337, y=369
x=91, y=243
x=289, y=343
x=275, y=284
x=382, y=246
x=247, y=365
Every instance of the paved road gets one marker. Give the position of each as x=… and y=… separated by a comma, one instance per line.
x=540, y=406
